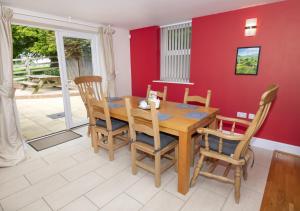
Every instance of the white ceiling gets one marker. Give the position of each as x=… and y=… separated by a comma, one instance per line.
x=132, y=13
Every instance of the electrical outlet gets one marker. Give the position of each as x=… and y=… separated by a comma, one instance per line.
x=241, y=115
x=251, y=116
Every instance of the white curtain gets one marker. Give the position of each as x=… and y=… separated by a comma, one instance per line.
x=11, y=144
x=106, y=37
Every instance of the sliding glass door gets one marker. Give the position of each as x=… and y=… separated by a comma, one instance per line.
x=77, y=53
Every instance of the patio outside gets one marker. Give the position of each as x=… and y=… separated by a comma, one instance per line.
x=39, y=98
x=34, y=111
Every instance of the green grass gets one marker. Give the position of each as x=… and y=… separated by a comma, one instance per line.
x=247, y=65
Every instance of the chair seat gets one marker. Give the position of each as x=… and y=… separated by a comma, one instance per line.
x=165, y=139
x=115, y=123
x=228, y=145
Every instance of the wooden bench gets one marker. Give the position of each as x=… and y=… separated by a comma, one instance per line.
x=34, y=85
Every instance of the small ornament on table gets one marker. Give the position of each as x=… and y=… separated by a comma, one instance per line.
x=145, y=104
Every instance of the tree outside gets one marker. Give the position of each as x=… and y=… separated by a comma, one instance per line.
x=34, y=51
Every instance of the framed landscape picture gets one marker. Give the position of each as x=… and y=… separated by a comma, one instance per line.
x=247, y=60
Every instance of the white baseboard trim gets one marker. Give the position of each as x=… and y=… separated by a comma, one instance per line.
x=273, y=145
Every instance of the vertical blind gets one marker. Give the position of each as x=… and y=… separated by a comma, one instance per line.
x=175, y=52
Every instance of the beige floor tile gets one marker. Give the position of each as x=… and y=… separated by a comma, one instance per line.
x=32, y=193
x=34, y=153
x=85, y=155
x=145, y=188
x=171, y=187
x=249, y=201
x=113, y=187
x=13, y=186
x=262, y=156
x=71, y=143
x=73, y=190
x=86, y=143
x=83, y=168
x=62, y=154
x=81, y=204
x=39, y=205
x=216, y=186
x=204, y=199
x=257, y=178
x=82, y=130
x=10, y=173
x=122, y=203
x=110, y=169
x=163, y=201
x=50, y=170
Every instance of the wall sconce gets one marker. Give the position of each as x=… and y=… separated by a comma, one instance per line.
x=250, y=27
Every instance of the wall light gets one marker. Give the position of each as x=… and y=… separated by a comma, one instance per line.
x=250, y=27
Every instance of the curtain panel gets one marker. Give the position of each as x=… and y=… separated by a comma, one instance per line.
x=11, y=143
x=106, y=38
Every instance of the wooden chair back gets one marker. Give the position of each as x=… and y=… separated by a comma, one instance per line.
x=206, y=101
x=87, y=83
x=143, y=121
x=162, y=95
x=98, y=109
x=266, y=101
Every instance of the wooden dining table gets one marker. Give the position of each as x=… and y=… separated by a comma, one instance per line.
x=179, y=125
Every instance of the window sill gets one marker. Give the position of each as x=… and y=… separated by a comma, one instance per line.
x=173, y=82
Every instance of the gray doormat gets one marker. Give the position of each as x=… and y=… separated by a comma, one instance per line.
x=57, y=115
x=53, y=140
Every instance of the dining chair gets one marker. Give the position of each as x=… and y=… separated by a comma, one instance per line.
x=196, y=99
x=106, y=132
x=162, y=95
x=94, y=83
x=232, y=148
x=146, y=138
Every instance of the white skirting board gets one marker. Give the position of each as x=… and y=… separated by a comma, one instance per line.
x=273, y=145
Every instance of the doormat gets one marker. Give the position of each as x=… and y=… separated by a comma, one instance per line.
x=53, y=140
x=56, y=115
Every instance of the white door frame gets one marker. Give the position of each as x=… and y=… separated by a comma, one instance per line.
x=59, y=34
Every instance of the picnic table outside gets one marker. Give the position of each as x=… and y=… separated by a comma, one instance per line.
x=39, y=81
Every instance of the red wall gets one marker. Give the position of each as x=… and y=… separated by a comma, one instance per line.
x=214, y=42
x=145, y=62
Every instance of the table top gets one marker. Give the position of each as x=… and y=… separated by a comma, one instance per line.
x=43, y=76
x=178, y=120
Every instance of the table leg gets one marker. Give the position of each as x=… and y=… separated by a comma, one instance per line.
x=213, y=124
x=40, y=85
x=184, y=162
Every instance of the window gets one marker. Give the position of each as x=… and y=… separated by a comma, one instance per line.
x=175, y=52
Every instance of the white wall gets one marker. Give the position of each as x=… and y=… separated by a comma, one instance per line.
x=122, y=62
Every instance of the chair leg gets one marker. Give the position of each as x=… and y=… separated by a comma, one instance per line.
x=89, y=131
x=197, y=170
x=237, y=183
x=176, y=158
x=94, y=137
x=110, y=147
x=133, y=159
x=245, y=171
x=192, y=154
x=157, y=169
x=129, y=140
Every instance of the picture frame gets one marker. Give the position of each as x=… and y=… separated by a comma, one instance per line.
x=247, y=60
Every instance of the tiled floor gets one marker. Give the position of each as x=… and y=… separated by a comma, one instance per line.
x=71, y=177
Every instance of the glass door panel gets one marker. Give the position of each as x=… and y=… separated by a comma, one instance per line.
x=78, y=58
